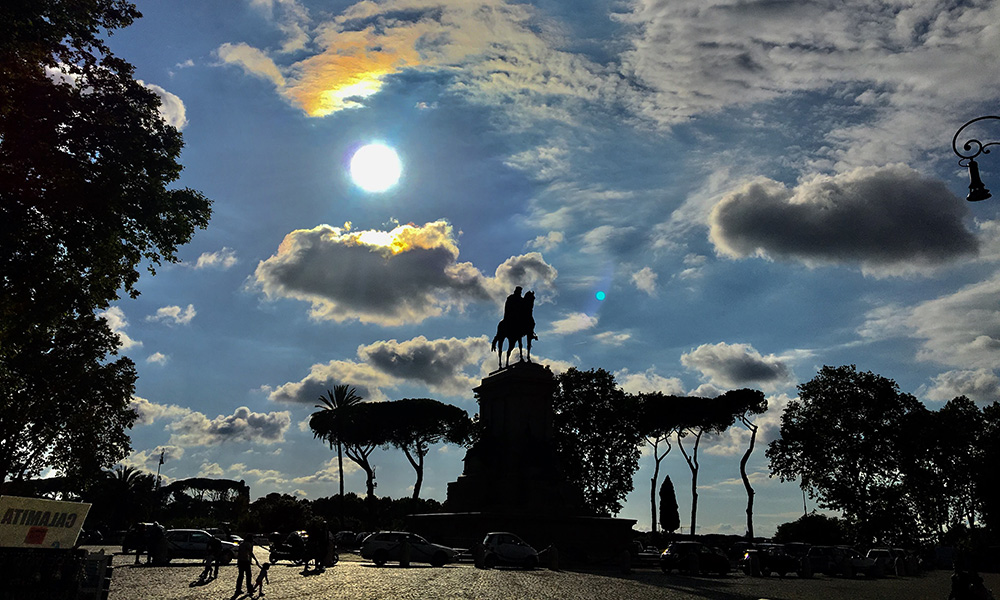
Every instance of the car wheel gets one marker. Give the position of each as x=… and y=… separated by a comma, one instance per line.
x=664, y=568
x=226, y=558
x=490, y=561
x=530, y=563
x=380, y=557
x=439, y=559
x=765, y=572
x=271, y=558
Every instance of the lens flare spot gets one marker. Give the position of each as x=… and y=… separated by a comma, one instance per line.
x=600, y=296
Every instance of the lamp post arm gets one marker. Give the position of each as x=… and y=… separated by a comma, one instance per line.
x=973, y=147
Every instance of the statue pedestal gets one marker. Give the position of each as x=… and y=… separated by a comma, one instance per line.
x=512, y=480
x=513, y=468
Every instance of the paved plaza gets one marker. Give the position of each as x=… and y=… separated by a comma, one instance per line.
x=355, y=579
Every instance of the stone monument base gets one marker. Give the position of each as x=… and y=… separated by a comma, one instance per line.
x=579, y=540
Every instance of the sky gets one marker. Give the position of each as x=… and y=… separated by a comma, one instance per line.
x=759, y=188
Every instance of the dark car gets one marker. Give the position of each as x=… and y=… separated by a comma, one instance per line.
x=764, y=559
x=841, y=560
x=693, y=558
x=387, y=546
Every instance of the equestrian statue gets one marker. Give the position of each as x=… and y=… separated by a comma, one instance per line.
x=517, y=323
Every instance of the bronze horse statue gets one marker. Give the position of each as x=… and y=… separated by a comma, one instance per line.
x=512, y=328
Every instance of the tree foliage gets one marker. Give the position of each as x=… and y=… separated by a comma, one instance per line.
x=842, y=438
x=597, y=437
x=415, y=424
x=85, y=161
x=670, y=516
x=354, y=427
x=812, y=528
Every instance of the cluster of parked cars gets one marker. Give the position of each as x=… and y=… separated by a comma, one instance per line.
x=763, y=560
x=498, y=549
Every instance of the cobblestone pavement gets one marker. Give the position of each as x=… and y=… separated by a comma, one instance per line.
x=355, y=579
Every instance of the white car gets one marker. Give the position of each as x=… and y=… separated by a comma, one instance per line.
x=502, y=548
x=193, y=543
x=386, y=546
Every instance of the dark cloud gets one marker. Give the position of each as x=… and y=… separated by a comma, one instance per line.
x=729, y=365
x=434, y=362
x=440, y=364
x=890, y=220
x=243, y=425
x=389, y=278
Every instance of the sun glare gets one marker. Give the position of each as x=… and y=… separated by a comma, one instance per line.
x=375, y=168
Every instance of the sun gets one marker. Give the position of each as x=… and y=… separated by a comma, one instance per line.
x=375, y=167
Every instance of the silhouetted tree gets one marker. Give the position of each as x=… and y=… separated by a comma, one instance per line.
x=670, y=516
x=658, y=422
x=842, y=439
x=697, y=417
x=987, y=482
x=597, y=437
x=359, y=429
x=415, y=424
x=340, y=397
x=743, y=404
x=813, y=528
x=85, y=161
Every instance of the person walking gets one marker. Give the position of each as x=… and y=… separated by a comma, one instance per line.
x=244, y=558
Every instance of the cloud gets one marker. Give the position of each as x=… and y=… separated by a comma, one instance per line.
x=171, y=106
x=222, y=259
x=573, y=323
x=173, y=315
x=150, y=411
x=210, y=470
x=252, y=61
x=960, y=329
x=328, y=472
x=645, y=280
x=702, y=58
x=648, y=381
x=889, y=220
x=195, y=429
x=544, y=162
x=979, y=385
x=157, y=358
x=613, y=338
x=547, y=242
x=115, y=317
x=731, y=365
x=493, y=52
x=443, y=365
x=405, y=275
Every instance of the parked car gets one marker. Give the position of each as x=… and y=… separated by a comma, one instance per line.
x=386, y=546
x=223, y=535
x=764, y=559
x=842, y=560
x=693, y=558
x=193, y=543
x=896, y=561
x=502, y=548
x=135, y=538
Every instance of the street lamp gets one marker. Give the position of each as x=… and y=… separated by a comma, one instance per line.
x=972, y=149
